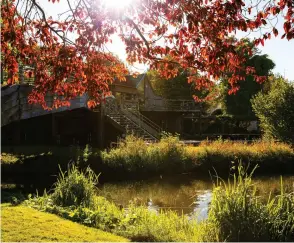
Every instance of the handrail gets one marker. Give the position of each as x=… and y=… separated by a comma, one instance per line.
x=138, y=113
x=166, y=104
x=145, y=119
x=112, y=108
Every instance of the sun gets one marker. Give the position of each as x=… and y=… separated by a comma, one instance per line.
x=117, y=4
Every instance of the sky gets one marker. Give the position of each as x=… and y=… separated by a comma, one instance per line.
x=281, y=51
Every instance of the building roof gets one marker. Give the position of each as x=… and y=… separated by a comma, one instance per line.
x=131, y=81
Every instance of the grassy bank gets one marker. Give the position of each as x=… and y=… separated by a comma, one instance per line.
x=170, y=156
x=133, y=158
x=236, y=212
x=23, y=224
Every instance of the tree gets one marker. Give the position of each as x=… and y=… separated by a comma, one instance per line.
x=275, y=110
x=195, y=34
x=239, y=104
x=176, y=87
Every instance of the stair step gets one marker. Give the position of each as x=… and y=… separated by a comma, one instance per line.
x=130, y=126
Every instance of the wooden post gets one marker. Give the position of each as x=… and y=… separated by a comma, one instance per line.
x=101, y=126
x=223, y=127
x=200, y=125
x=2, y=75
x=19, y=124
x=53, y=129
x=193, y=126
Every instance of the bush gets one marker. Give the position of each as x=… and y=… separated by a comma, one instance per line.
x=75, y=188
x=275, y=110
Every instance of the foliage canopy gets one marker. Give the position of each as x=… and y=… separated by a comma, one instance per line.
x=167, y=35
x=239, y=104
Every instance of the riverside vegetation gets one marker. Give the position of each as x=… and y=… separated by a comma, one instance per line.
x=133, y=158
x=170, y=155
x=236, y=212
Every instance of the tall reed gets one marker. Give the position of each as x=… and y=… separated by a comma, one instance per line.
x=238, y=214
x=75, y=187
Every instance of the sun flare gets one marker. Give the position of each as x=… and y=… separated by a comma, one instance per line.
x=117, y=4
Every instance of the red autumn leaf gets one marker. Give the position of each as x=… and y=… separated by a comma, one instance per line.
x=262, y=42
x=28, y=74
x=275, y=31
x=287, y=27
x=249, y=10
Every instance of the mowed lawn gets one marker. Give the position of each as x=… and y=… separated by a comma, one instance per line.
x=20, y=223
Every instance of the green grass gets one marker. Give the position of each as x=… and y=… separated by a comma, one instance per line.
x=8, y=158
x=135, y=223
x=23, y=224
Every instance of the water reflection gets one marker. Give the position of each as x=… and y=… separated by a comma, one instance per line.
x=182, y=194
x=202, y=203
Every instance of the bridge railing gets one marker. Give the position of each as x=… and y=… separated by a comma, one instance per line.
x=171, y=105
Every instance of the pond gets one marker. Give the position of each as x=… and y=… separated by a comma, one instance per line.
x=183, y=194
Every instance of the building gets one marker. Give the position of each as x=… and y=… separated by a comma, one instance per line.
x=133, y=107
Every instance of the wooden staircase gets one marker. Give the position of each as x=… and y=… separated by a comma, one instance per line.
x=130, y=121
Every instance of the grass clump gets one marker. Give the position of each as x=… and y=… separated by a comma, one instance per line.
x=141, y=224
x=8, y=158
x=235, y=211
x=272, y=157
x=238, y=214
x=75, y=188
x=281, y=215
x=134, y=155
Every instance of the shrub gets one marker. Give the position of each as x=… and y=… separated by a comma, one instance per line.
x=275, y=110
x=75, y=188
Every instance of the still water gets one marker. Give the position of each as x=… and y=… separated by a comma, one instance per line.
x=183, y=194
